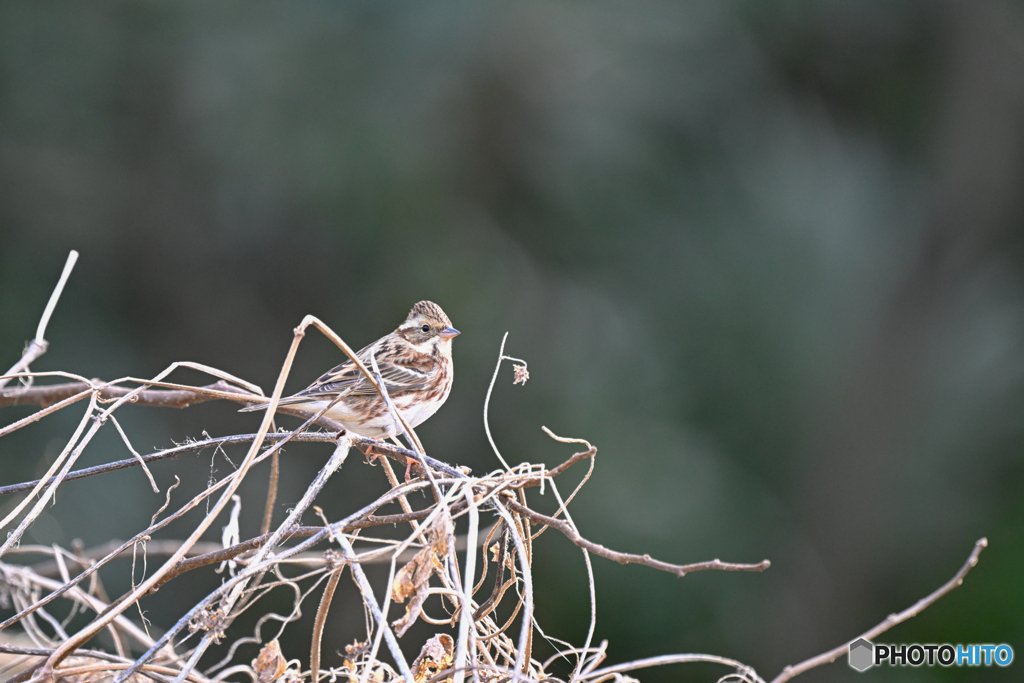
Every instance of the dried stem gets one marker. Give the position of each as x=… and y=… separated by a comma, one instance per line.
x=628, y=558
x=318, y=624
x=426, y=561
x=890, y=621
x=38, y=345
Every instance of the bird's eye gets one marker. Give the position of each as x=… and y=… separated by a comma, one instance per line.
x=425, y=328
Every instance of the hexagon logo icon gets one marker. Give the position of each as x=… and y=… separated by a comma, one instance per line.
x=862, y=654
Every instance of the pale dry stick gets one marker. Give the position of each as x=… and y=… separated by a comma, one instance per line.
x=64, y=461
x=268, y=508
x=528, y=541
x=464, y=650
x=185, y=397
x=890, y=621
x=39, y=485
x=69, y=673
x=66, y=586
x=370, y=446
x=586, y=477
x=284, y=555
x=629, y=558
x=487, y=399
x=318, y=437
x=417, y=533
x=237, y=669
x=388, y=472
x=40, y=637
x=371, y=602
x=22, y=574
x=72, y=455
x=322, y=610
x=92, y=654
x=124, y=437
x=375, y=648
x=89, y=631
x=393, y=480
x=40, y=414
x=336, y=460
x=577, y=651
x=443, y=675
x=256, y=593
x=524, y=564
x=38, y=345
x=746, y=671
x=153, y=527
x=563, y=505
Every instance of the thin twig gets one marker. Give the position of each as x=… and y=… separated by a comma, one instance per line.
x=629, y=558
x=268, y=510
x=164, y=398
x=89, y=631
x=370, y=601
x=890, y=621
x=65, y=460
x=741, y=668
x=367, y=446
x=38, y=345
x=336, y=460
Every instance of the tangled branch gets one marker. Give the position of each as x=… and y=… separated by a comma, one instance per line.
x=464, y=564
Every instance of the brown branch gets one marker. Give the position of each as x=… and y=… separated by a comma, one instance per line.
x=231, y=552
x=628, y=558
x=318, y=624
x=890, y=621
x=47, y=395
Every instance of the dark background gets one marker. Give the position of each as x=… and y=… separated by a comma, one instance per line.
x=766, y=256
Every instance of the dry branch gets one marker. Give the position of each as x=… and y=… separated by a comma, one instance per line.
x=628, y=558
x=37, y=347
x=890, y=621
x=46, y=395
x=427, y=569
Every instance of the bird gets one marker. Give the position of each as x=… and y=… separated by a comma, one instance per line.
x=415, y=362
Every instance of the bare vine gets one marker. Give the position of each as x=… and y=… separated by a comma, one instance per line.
x=487, y=627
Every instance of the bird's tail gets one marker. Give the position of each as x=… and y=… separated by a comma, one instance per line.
x=287, y=401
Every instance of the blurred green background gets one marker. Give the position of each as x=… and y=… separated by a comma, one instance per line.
x=766, y=256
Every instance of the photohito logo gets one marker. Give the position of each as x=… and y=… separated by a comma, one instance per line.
x=864, y=654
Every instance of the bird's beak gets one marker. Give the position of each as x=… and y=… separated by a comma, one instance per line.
x=448, y=333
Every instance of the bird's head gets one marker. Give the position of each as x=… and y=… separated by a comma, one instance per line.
x=427, y=327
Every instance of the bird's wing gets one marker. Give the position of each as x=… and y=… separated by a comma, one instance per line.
x=349, y=380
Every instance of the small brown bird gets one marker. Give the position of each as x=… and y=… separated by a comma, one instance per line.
x=415, y=362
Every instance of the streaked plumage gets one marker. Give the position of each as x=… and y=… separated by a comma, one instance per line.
x=415, y=362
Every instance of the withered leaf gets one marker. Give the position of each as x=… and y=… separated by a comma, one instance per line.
x=436, y=656
x=270, y=664
x=413, y=580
